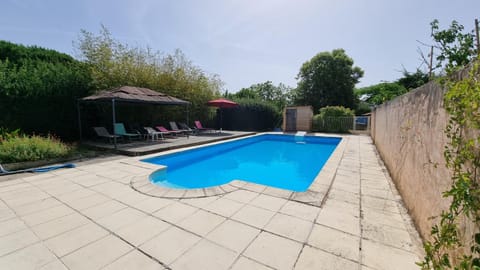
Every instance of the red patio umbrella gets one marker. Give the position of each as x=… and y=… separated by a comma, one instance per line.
x=222, y=103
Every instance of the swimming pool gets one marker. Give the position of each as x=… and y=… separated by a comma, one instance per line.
x=281, y=161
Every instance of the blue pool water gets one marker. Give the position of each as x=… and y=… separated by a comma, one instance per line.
x=281, y=161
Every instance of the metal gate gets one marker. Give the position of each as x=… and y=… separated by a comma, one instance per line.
x=291, y=118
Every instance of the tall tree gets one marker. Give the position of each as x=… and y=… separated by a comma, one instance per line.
x=412, y=80
x=456, y=47
x=453, y=48
x=380, y=93
x=328, y=79
x=114, y=64
x=278, y=96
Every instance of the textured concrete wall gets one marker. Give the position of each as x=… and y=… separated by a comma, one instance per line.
x=409, y=134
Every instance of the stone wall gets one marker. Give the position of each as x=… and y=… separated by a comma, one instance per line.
x=409, y=134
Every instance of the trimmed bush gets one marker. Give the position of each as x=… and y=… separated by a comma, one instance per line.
x=333, y=119
x=19, y=148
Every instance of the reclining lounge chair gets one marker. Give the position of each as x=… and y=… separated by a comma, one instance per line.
x=187, y=128
x=174, y=127
x=167, y=132
x=103, y=133
x=154, y=134
x=120, y=130
x=200, y=128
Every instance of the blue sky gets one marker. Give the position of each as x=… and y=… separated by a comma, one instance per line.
x=246, y=41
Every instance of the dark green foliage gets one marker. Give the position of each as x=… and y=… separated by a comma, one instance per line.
x=18, y=54
x=380, y=93
x=279, y=96
x=412, y=80
x=251, y=115
x=333, y=119
x=327, y=79
x=39, y=88
x=362, y=108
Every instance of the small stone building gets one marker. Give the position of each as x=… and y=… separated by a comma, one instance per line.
x=298, y=118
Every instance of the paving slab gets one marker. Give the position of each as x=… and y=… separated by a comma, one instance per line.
x=233, y=235
x=77, y=238
x=32, y=257
x=170, y=244
x=97, y=254
x=312, y=258
x=201, y=222
x=253, y=216
x=134, y=260
x=289, y=227
x=195, y=258
x=274, y=251
x=245, y=263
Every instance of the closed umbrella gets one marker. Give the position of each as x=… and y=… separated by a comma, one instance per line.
x=222, y=103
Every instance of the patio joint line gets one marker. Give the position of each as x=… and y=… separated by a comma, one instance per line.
x=360, y=220
x=324, y=200
x=116, y=235
x=37, y=242
x=113, y=233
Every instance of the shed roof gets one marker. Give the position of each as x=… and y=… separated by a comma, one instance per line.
x=135, y=95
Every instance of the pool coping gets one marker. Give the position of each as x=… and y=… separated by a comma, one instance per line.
x=315, y=195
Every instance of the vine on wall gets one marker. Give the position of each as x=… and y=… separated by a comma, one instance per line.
x=455, y=240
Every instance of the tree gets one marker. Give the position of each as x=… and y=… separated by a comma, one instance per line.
x=327, y=79
x=278, y=96
x=412, y=80
x=115, y=64
x=380, y=93
x=246, y=93
x=455, y=48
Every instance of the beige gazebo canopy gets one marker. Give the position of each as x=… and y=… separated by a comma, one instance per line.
x=129, y=94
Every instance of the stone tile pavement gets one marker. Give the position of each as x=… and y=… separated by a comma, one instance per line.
x=90, y=218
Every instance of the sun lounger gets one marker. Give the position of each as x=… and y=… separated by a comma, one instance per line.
x=174, y=127
x=120, y=130
x=166, y=131
x=200, y=128
x=140, y=130
x=153, y=133
x=103, y=133
x=187, y=128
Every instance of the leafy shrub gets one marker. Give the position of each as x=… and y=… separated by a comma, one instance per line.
x=362, y=108
x=18, y=148
x=333, y=119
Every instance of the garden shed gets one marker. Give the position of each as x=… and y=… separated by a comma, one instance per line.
x=297, y=118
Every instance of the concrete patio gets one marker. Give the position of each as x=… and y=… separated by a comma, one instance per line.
x=90, y=218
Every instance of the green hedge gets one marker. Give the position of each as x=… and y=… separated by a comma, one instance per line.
x=250, y=115
x=39, y=89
